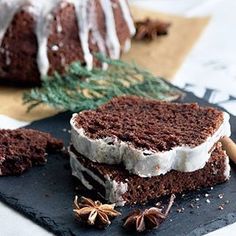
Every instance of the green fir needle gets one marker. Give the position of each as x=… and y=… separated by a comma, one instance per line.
x=80, y=89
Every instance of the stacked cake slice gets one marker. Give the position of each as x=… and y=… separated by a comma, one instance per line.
x=132, y=150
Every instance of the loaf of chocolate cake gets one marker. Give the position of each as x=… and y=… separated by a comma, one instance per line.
x=147, y=141
x=22, y=148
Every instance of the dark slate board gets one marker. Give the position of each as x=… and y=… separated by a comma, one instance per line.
x=45, y=194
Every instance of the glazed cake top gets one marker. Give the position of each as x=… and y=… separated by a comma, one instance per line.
x=151, y=124
x=44, y=12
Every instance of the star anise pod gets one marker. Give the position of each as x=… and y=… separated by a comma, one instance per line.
x=94, y=212
x=149, y=29
x=148, y=219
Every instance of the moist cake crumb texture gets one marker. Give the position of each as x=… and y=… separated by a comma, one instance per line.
x=151, y=124
x=22, y=148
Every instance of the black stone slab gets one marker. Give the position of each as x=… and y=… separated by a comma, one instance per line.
x=45, y=194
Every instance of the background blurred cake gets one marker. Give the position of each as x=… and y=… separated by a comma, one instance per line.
x=38, y=37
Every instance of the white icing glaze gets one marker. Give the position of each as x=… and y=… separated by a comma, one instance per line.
x=43, y=10
x=127, y=45
x=96, y=35
x=146, y=163
x=77, y=169
x=227, y=168
x=127, y=16
x=43, y=13
x=55, y=48
x=81, y=9
x=112, y=40
x=59, y=26
x=8, y=9
x=114, y=190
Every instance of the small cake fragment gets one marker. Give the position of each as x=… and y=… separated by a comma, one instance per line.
x=20, y=149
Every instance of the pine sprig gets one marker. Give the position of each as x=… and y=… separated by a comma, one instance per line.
x=79, y=89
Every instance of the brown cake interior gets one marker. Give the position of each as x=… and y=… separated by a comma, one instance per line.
x=22, y=148
x=141, y=190
x=151, y=124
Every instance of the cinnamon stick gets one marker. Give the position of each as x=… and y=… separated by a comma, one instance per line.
x=230, y=147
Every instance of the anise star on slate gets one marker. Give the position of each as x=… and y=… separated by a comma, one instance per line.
x=149, y=29
x=94, y=212
x=148, y=219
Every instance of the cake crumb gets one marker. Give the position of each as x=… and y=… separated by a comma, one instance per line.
x=180, y=210
x=208, y=201
x=207, y=195
x=221, y=195
x=191, y=205
x=55, y=48
x=221, y=207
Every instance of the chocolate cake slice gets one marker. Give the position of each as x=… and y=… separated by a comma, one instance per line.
x=22, y=148
x=149, y=137
x=115, y=184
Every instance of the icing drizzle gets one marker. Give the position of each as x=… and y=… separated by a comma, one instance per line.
x=42, y=10
x=81, y=9
x=127, y=16
x=8, y=10
x=85, y=10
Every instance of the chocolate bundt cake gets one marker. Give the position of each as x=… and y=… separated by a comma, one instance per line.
x=38, y=37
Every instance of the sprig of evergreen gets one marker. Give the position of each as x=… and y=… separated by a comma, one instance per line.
x=79, y=89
